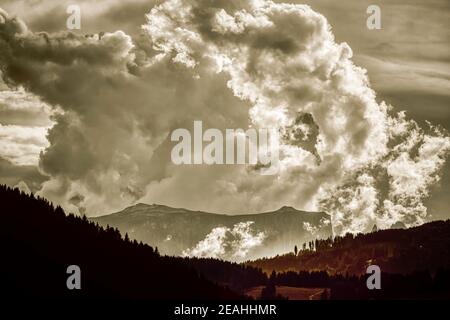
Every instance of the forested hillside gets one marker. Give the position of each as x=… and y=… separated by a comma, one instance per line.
x=39, y=241
x=402, y=251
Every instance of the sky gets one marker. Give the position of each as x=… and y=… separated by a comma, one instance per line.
x=86, y=115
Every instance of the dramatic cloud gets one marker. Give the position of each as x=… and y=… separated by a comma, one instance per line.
x=283, y=59
x=24, y=121
x=228, y=243
x=22, y=145
x=231, y=64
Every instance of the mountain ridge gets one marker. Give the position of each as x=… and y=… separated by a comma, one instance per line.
x=156, y=206
x=178, y=231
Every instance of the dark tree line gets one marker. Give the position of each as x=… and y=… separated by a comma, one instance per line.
x=236, y=276
x=402, y=251
x=417, y=285
x=38, y=241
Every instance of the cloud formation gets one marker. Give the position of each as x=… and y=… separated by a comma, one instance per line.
x=25, y=120
x=231, y=64
x=284, y=60
x=228, y=243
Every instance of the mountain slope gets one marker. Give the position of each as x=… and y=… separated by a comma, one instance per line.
x=38, y=242
x=180, y=231
x=400, y=251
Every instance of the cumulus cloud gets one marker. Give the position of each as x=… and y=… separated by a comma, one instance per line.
x=18, y=107
x=228, y=243
x=286, y=73
x=22, y=145
x=24, y=122
x=231, y=64
x=314, y=229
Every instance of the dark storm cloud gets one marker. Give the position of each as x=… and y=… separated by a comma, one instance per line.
x=232, y=64
x=104, y=106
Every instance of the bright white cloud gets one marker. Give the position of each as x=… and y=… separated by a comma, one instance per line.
x=228, y=243
x=284, y=60
x=24, y=121
x=233, y=65
x=22, y=145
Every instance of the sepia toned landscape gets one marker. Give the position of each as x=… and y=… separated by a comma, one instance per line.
x=226, y=150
